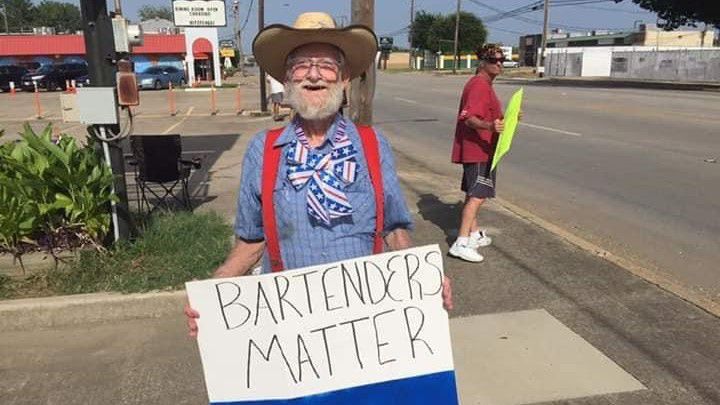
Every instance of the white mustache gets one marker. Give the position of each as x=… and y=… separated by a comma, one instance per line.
x=311, y=83
x=330, y=106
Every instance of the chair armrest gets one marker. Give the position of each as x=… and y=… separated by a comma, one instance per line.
x=196, y=163
x=130, y=159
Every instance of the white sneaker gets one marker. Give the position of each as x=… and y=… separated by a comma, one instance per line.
x=483, y=240
x=466, y=253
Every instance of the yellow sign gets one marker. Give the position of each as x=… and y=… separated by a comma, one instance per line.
x=512, y=114
x=227, y=53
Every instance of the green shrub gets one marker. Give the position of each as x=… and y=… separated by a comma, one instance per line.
x=52, y=195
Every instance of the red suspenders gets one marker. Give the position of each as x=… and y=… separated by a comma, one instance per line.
x=372, y=155
x=271, y=162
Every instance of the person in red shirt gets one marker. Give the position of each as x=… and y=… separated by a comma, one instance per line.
x=479, y=124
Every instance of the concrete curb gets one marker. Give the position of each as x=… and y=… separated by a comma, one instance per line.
x=619, y=83
x=71, y=310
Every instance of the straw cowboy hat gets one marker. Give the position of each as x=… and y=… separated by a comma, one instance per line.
x=274, y=43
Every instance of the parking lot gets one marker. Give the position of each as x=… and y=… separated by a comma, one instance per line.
x=194, y=110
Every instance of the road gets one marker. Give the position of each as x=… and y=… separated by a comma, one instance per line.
x=515, y=315
x=624, y=169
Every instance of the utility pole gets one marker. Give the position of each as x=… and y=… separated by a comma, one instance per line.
x=410, y=33
x=101, y=58
x=261, y=25
x=457, y=35
x=7, y=29
x=362, y=88
x=238, y=35
x=541, y=58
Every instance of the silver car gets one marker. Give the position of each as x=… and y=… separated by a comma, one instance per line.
x=160, y=77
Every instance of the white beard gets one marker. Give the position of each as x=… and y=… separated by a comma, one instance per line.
x=329, y=108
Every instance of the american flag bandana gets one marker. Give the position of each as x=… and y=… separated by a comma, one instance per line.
x=326, y=174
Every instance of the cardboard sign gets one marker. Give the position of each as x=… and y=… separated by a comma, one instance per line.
x=512, y=116
x=370, y=330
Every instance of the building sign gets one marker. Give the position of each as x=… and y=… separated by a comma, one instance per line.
x=227, y=53
x=386, y=43
x=199, y=13
x=369, y=330
x=227, y=43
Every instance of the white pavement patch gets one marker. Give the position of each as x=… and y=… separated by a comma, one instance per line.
x=528, y=357
x=560, y=131
x=405, y=100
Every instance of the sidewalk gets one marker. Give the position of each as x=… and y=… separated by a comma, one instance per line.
x=608, y=82
x=540, y=321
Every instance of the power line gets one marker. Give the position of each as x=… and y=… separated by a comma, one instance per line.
x=397, y=32
x=505, y=30
x=247, y=17
x=536, y=6
x=616, y=10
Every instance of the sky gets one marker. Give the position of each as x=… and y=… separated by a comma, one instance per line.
x=392, y=16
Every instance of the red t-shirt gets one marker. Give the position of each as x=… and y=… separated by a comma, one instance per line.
x=479, y=100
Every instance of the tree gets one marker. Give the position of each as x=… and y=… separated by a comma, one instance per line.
x=677, y=13
x=20, y=14
x=472, y=33
x=420, y=28
x=147, y=12
x=64, y=17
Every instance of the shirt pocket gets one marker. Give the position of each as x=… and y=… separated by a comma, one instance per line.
x=287, y=204
x=362, y=199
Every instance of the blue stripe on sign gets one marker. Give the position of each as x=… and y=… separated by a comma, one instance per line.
x=437, y=388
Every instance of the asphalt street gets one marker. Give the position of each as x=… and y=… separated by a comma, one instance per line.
x=632, y=171
x=615, y=167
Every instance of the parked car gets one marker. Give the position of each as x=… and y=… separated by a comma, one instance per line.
x=160, y=77
x=53, y=77
x=82, y=81
x=11, y=73
x=510, y=64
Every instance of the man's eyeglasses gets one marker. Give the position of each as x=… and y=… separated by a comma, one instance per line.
x=494, y=61
x=327, y=67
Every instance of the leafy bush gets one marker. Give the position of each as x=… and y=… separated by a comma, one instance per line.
x=52, y=195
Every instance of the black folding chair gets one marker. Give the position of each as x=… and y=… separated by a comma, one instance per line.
x=159, y=170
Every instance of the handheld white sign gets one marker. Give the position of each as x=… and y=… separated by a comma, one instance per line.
x=370, y=330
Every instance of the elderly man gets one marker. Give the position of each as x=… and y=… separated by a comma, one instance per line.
x=321, y=189
x=479, y=124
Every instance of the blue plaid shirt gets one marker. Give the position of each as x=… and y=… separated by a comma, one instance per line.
x=303, y=241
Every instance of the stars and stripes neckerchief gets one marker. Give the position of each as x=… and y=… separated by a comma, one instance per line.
x=325, y=174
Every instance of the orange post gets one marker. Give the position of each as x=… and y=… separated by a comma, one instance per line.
x=171, y=97
x=73, y=86
x=238, y=101
x=12, y=89
x=38, y=107
x=213, y=100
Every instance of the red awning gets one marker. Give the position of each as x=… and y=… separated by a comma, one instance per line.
x=160, y=43
x=198, y=55
x=201, y=45
x=43, y=45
